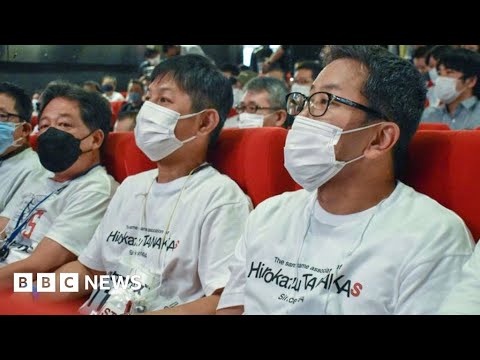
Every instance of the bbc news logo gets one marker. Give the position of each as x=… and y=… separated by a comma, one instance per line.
x=68, y=282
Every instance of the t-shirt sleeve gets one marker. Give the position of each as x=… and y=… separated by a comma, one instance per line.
x=233, y=294
x=464, y=298
x=74, y=227
x=425, y=288
x=220, y=231
x=426, y=281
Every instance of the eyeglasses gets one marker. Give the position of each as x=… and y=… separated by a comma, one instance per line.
x=5, y=116
x=252, y=109
x=319, y=102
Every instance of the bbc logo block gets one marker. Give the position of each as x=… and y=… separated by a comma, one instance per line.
x=46, y=282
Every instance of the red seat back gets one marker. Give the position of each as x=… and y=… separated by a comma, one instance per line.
x=116, y=106
x=433, y=126
x=123, y=158
x=254, y=159
x=445, y=166
x=33, y=139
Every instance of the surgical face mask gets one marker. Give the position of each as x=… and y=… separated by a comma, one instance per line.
x=155, y=61
x=310, y=152
x=134, y=97
x=302, y=89
x=155, y=130
x=58, y=150
x=247, y=120
x=237, y=96
x=433, y=75
x=446, y=89
x=36, y=105
x=7, y=130
x=107, y=87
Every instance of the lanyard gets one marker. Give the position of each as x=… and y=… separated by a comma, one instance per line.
x=5, y=249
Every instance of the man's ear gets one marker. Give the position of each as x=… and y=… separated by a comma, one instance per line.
x=281, y=117
x=383, y=140
x=98, y=137
x=209, y=121
x=471, y=82
x=26, y=129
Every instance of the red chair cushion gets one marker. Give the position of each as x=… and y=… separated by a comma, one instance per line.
x=433, y=126
x=444, y=166
x=254, y=159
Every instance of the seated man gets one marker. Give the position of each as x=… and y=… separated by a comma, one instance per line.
x=109, y=85
x=134, y=98
x=17, y=159
x=458, y=88
x=305, y=73
x=263, y=103
x=126, y=121
x=176, y=226
x=52, y=217
x=355, y=240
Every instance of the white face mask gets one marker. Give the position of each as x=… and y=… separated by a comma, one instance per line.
x=155, y=130
x=310, y=152
x=303, y=89
x=433, y=74
x=155, y=61
x=237, y=96
x=446, y=89
x=247, y=120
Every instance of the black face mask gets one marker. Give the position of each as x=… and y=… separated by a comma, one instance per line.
x=58, y=150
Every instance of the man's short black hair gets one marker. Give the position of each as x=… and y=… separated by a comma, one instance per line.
x=203, y=82
x=23, y=103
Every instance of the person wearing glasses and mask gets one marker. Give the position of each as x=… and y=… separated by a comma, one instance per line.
x=458, y=89
x=355, y=240
x=173, y=228
x=17, y=159
x=53, y=215
x=263, y=103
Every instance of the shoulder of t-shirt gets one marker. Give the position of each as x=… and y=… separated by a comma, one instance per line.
x=138, y=182
x=27, y=159
x=98, y=180
x=285, y=203
x=424, y=204
x=216, y=190
x=423, y=212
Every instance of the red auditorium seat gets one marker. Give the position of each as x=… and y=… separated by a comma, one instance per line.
x=21, y=304
x=116, y=106
x=33, y=141
x=445, y=166
x=433, y=126
x=34, y=121
x=254, y=159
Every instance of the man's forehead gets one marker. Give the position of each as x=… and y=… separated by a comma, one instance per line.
x=340, y=74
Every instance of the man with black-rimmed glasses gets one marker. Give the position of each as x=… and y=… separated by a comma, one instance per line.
x=17, y=159
x=356, y=240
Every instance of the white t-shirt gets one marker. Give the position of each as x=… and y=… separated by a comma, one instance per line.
x=193, y=260
x=399, y=257
x=14, y=171
x=116, y=96
x=69, y=216
x=464, y=298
